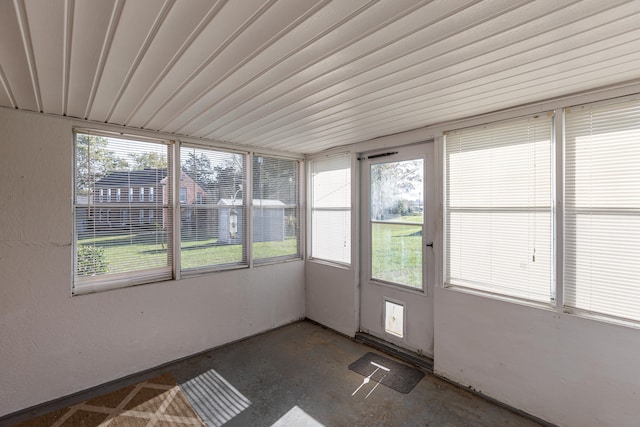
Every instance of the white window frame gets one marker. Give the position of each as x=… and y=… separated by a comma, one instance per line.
x=312, y=209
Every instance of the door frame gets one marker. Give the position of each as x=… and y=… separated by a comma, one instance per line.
x=417, y=303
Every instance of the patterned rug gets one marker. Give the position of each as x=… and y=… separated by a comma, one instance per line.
x=156, y=402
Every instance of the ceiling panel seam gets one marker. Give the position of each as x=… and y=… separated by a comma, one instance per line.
x=7, y=88
x=153, y=31
x=321, y=58
x=104, y=53
x=23, y=23
x=242, y=63
x=293, y=124
x=246, y=24
x=379, y=65
x=66, y=52
x=206, y=20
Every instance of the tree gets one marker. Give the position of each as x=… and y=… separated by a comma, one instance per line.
x=275, y=179
x=149, y=160
x=390, y=185
x=198, y=167
x=229, y=178
x=94, y=161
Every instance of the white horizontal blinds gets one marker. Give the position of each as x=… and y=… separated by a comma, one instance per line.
x=213, y=210
x=331, y=208
x=275, y=211
x=121, y=239
x=602, y=209
x=498, y=208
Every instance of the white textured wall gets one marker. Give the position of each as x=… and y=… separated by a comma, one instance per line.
x=331, y=297
x=52, y=344
x=567, y=370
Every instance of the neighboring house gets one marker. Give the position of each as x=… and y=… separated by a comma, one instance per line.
x=126, y=198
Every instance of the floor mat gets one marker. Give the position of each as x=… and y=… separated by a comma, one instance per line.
x=395, y=375
x=156, y=402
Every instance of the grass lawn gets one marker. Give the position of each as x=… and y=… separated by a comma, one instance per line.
x=130, y=252
x=396, y=252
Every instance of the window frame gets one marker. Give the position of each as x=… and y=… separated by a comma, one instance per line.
x=300, y=167
x=82, y=284
x=312, y=209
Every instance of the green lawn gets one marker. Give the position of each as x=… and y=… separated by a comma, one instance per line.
x=129, y=252
x=396, y=252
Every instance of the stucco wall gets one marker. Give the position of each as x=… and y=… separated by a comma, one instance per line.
x=52, y=344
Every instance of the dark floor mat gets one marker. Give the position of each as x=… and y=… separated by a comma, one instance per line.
x=395, y=375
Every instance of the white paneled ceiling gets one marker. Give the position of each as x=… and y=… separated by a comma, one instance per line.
x=306, y=75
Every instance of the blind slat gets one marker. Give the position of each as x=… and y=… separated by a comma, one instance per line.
x=602, y=219
x=498, y=208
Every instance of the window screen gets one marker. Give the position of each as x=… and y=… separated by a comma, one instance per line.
x=275, y=211
x=120, y=241
x=498, y=208
x=602, y=209
x=212, y=208
x=331, y=208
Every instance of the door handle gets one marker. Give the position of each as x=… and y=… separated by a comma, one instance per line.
x=430, y=244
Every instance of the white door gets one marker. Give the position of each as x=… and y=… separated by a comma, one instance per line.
x=397, y=265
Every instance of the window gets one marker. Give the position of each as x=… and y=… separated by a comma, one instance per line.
x=602, y=209
x=106, y=253
x=130, y=194
x=212, y=233
x=118, y=195
x=498, y=208
x=141, y=194
x=331, y=208
x=108, y=195
x=275, y=211
x=101, y=197
x=151, y=195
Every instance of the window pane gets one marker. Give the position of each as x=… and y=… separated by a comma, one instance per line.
x=331, y=208
x=498, y=208
x=396, y=198
x=115, y=241
x=602, y=209
x=396, y=253
x=275, y=208
x=212, y=208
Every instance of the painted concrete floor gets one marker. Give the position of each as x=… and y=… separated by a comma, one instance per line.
x=298, y=376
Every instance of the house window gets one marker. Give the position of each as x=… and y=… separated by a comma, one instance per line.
x=151, y=195
x=130, y=194
x=602, y=209
x=213, y=235
x=151, y=216
x=330, y=179
x=118, y=195
x=275, y=210
x=101, y=196
x=141, y=194
x=498, y=208
x=141, y=216
x=108, y=255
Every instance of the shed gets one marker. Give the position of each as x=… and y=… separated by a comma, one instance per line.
x=268, y=220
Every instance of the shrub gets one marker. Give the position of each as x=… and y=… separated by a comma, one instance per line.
x=91, y=261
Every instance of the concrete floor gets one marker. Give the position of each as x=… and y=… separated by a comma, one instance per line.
x=298, y=375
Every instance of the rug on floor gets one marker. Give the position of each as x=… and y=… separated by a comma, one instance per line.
x=395, y=375
x=156, y=402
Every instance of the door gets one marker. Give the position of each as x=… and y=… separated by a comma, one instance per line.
x=397, y=265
